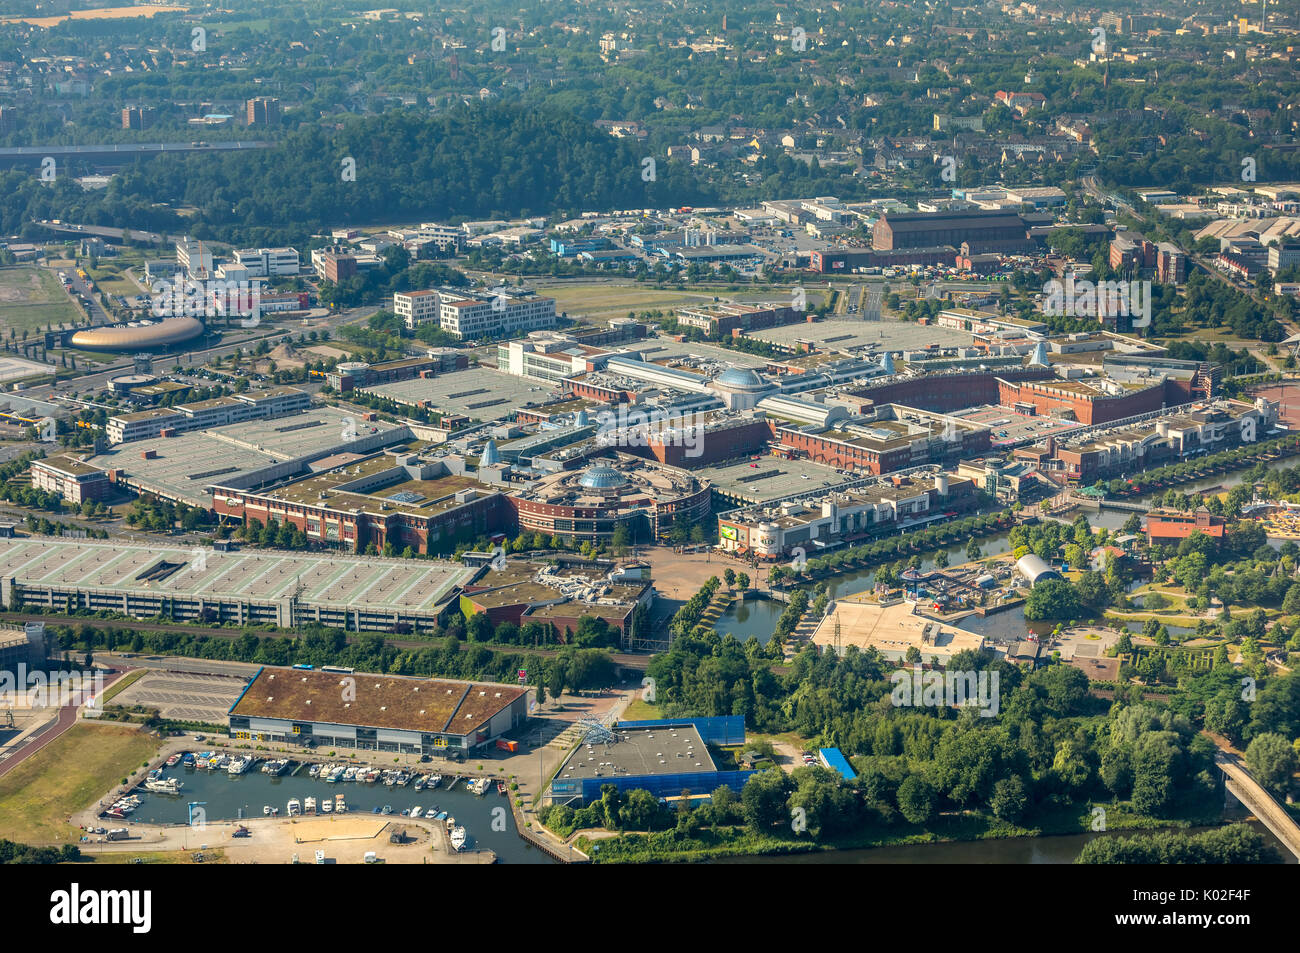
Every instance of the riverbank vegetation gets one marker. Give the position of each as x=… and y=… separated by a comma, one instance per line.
x=1054, y=758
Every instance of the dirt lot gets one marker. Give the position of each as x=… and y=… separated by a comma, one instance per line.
x=345, y=840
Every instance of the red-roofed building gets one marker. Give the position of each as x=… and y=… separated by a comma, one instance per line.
x=1173, y=528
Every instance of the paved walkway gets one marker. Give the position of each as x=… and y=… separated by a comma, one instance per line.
x=67, y=718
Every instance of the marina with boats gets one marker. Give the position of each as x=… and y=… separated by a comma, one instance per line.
x=241, y=786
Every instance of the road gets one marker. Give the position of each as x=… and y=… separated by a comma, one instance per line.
x=67, y=718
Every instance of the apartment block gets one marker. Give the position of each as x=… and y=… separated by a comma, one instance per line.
x=268, y=262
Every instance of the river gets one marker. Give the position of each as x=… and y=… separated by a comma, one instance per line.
x=1061, y=849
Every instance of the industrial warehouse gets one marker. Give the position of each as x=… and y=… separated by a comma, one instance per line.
x=374, y=712
x=664, y=757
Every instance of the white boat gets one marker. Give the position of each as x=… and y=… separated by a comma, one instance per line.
x=294, y=807
x=164, y=785
x=435, y=781
x=458, y=837
x=420, y=782
x=266, y=809
x=326, y=806
x=480, y=786
x=240, y=765
x=350, y=774
x=313, y=770
x=309, y=805
x=337, y=773
x=415, y=811
x=339, y=805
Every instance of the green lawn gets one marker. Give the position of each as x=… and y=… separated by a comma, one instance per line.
x=641, y=711
x=66, y=776
x=31, y=298
x=112, y=279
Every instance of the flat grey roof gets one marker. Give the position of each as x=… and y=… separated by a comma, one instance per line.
x=188, y=463
x=640, y=751
x=357, y=582
x=888, y=335
x=772, y=478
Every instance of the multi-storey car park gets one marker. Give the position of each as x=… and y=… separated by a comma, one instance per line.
x=246, y=587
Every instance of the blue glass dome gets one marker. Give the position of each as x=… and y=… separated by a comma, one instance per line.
x=602, y=478
x=740, y=378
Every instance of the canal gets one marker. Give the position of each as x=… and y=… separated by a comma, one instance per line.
x=488, y=820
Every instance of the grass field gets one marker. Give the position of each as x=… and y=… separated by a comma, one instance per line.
x=217, y=856
x=112, y=279
x=598, y=302
x=123, y=683
x=67, y=775
x=641, y=711
x=31, y=298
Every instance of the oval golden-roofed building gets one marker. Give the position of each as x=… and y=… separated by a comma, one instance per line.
x=158, y=334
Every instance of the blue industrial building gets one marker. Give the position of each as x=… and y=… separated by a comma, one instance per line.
x=665, y=757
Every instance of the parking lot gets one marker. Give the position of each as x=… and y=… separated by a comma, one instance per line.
x=185, y=696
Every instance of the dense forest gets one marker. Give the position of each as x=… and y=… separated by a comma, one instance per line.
x=477, y=161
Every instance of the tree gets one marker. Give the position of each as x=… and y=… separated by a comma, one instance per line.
x=1272, y=760
x=763, y=800
x=941, y=559
x=479, y=627
x=729, y=577
x=1159, y=765
x=916, y=799
x=973, y=550
x=1052, y=599
x=742, y=582
x=1009, y=799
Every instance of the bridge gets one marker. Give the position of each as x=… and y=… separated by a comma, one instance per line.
x=1258, y=801
x=1087, y=501
x=113, y=155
